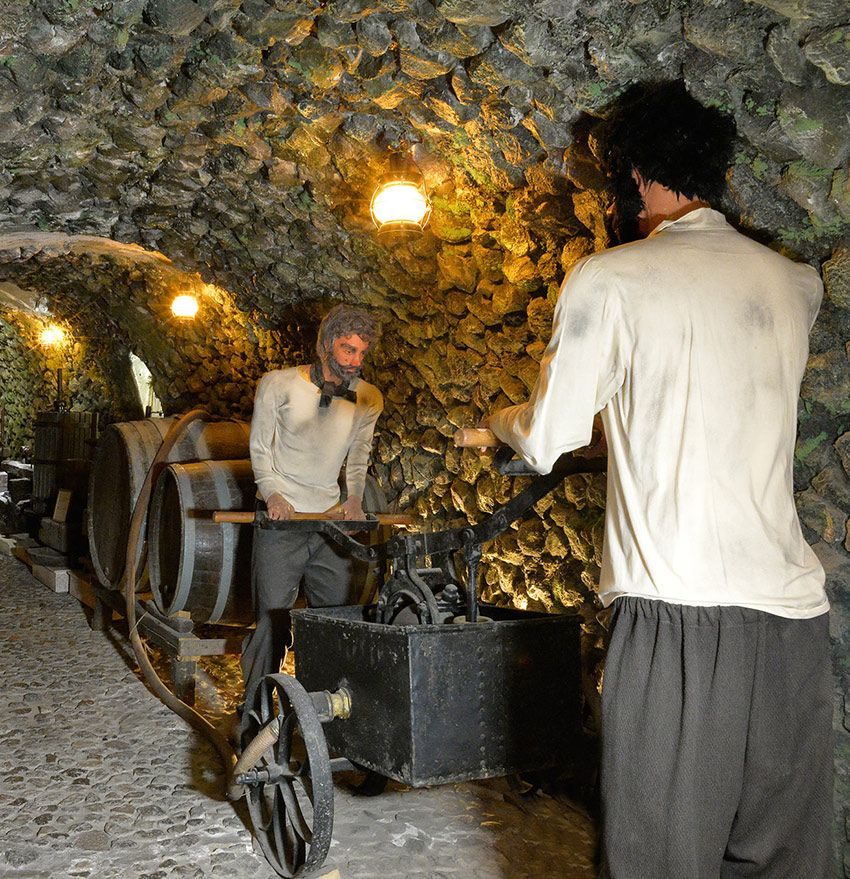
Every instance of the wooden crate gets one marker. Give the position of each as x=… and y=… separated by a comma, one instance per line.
x=62, y=451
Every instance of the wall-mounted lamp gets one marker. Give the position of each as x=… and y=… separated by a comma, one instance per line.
x=184, y=306
x=400, y=203
x=51, y=336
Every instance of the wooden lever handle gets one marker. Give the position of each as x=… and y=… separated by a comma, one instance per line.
x=237, y=517
x=470, y=437
x=245, y=517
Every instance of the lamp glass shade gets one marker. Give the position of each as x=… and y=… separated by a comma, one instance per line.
x=52, y=335
x=400, y=202
x=184, y=306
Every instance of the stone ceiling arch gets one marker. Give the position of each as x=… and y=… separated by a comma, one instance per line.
x=114, y=298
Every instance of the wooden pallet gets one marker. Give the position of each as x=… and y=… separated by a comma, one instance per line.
x=176, y=635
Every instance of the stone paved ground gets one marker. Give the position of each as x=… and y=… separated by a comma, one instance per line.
x=99, y=779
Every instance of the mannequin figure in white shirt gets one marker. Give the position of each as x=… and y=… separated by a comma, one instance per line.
x=308, y=420
x=691, y=343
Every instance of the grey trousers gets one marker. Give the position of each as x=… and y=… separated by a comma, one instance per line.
x=281, y=560
x=716, y=744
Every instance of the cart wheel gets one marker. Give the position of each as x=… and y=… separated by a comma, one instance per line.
x=291, y=804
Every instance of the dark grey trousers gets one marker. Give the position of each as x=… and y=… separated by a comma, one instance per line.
x=716, y=744
x=281, y=560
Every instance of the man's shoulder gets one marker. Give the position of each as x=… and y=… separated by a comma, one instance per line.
x=598, y=273
x=285, y=374
x=369, y=395
x=278, y=380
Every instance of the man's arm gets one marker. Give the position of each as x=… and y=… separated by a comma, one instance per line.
x=263, y=424
x=359, y=451
x=579, y=373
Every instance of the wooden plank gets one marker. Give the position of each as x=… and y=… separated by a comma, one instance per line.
x=156, y=631
x=63, y=501
x=22, y=553
x=193, y=646
x=182, y=646
x=80, y=586
x=54, y=535
x=55, y=579
x=51, y=558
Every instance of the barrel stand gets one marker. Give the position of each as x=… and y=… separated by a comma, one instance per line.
x=174, y=634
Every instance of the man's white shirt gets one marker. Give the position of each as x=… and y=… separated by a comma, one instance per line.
x=297, y=449
x=692, y=344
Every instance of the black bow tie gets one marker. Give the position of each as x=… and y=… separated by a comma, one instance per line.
x=330, y=389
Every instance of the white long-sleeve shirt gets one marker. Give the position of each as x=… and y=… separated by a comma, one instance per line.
x=692, y=344
x=297, y=449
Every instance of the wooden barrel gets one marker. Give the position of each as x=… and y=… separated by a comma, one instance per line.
x=205, y=568
x=62, y=450
x=195, y=564
x=124, y=455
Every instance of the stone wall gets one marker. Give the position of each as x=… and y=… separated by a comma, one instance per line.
x=823, y=478
x=25, y=383
x=115, y=300
x=95, y=377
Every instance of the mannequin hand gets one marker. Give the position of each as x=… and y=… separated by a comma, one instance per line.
x=278, y=507
x=353, y=509
x=484, y=424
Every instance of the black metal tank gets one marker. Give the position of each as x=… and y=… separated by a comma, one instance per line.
x=432, y=704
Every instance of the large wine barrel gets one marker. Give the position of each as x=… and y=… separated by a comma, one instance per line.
x=205, y=568
x=195, y=564
x=121, y=462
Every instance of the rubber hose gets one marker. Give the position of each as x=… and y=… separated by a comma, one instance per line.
x=249, y=758
x=140, y=512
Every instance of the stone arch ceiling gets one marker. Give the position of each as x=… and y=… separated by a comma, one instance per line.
x=242, y=138
x=115, y=298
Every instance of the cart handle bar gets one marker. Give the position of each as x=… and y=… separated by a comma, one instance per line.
x=475, y=437
x=246, y=517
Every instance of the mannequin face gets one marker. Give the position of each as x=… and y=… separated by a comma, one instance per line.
x=346, y=358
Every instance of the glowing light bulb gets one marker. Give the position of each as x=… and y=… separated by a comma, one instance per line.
x=400, y=204
x=184, y=306
x=52, y=335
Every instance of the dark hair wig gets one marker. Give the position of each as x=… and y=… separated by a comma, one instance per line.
x=660, y=131
x=346, y=320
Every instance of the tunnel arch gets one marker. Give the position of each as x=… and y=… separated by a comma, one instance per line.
x=115, y=299
x=244, y=148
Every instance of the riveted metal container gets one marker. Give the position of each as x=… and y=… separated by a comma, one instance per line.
x=440, y=703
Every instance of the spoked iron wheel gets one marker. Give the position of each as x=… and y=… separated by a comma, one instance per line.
x=291, y=800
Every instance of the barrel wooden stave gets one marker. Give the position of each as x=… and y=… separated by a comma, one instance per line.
x=197, y=565
x=121, y=462
x=204, y=568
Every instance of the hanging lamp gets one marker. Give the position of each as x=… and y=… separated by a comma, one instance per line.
x=400, y=202
x=51, y=336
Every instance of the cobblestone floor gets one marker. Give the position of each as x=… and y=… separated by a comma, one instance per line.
x=99, y=779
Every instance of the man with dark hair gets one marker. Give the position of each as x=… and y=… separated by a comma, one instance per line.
x=688, y=153
x=716, y=740
x=307, y=421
